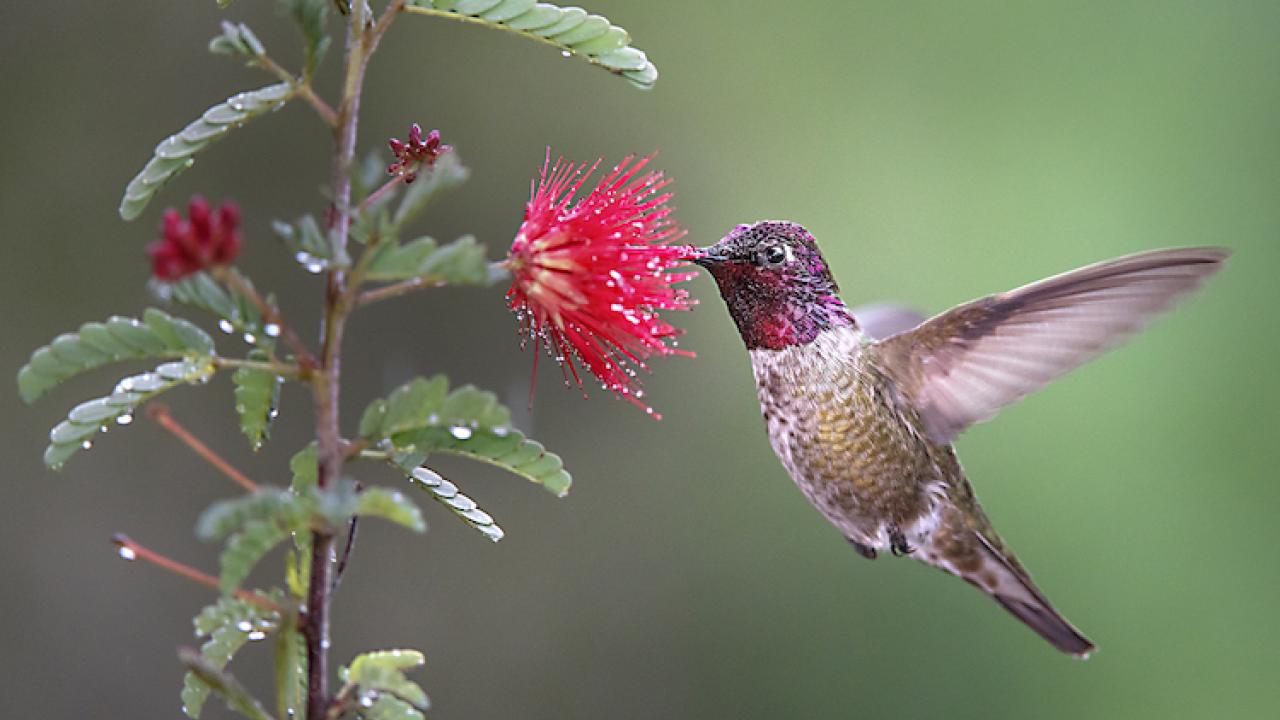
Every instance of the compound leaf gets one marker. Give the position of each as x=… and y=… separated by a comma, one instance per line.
x=176, y=152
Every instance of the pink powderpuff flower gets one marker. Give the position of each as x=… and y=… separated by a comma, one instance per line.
x=200, y=241
x=590, y=277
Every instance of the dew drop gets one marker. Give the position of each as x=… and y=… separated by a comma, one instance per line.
x=225, y=326
x=566, y=53
x=461, y=433
x=250, y=339
x=127, y=553
x=87, y=444
x=271, y=330
x=256, y=635
x=244, y=626
x=124, y=419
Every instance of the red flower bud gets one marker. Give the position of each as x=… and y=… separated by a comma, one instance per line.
x=197, y=243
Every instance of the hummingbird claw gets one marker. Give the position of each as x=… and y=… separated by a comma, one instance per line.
x=898, y=543
x=865, y=551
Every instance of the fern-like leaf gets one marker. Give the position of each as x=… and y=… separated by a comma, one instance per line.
x=422, y=417
x=119, y=338
x=248, y=546
x=227, y=516
x=257, y=394
x=379, y=676
x=87, y=419
x=227, y=625
x=291, y=672
x=175, y=153
x=570, y=29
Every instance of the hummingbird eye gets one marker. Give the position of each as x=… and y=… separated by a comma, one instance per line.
x=774, y=255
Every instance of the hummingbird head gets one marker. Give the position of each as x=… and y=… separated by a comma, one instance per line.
x=776, y=284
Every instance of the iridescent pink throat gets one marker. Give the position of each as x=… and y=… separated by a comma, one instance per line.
x=779, y=320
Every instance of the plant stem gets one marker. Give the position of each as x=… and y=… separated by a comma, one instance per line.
x=282, y=369
x=361, y=40
x=374, y=196
x=160, y=413
x=397, y=289
x=302, y=87
x=131, y=550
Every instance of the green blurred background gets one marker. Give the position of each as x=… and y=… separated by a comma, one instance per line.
x=939, y=151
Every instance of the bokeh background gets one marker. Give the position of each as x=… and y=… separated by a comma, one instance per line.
x=939, y=151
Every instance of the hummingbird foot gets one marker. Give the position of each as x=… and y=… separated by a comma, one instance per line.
x=865, y=551
x=898, y=543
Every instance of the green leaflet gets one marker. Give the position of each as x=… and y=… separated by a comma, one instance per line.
x=311, y=248
x=175, y=153
x=571, y=29
x=291, y=672
x=388, y=707
x=447, y=494
x=245, y=548
x=257, y=395
x=311, y=16
x=88, y=418
x=390, y=505
x=305, y=471
x=237, y=40
x=422, y=417
x=119, y=338
x=461, y=262
x=227, y=625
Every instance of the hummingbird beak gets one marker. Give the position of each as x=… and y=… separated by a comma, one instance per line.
x=709, y=257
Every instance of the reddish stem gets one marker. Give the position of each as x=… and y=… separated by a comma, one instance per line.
x=130, y=550
x=160, y=413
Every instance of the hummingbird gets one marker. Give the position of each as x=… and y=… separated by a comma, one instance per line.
x=865, y=426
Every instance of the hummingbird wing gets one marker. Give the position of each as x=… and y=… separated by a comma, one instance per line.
x=882, y=320
x=962, y=366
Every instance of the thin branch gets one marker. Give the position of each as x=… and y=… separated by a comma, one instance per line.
x=160, y=413
x=270, y=314
x=374, y=196
x=404, y=287
x=223, y=683
x=288, y=370
x=301, y=87
x=130, y=550
x=346, y=552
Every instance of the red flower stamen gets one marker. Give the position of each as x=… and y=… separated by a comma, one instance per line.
x=589, y=278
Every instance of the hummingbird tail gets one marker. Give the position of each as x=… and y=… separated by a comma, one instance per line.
x=1025, y=601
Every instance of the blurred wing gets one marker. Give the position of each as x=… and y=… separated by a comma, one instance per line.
x=962, y=366
x=881, y=320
